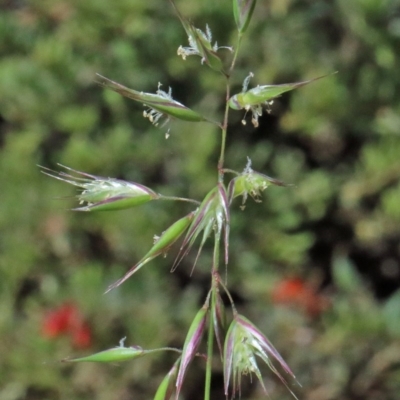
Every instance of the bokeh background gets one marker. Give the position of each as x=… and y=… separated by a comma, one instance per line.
x=315, y=266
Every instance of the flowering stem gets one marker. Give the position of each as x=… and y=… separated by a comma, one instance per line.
x=236, y=53
x=174, y=198
x=226, y=113
x=217, y=241
x=231, y=171
x=229, y=295
x=164, y=349
x=211, y=333
x=223, y=139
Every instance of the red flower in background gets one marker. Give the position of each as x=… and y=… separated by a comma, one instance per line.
x=295, y=291
x=67, y=320
x=82, y=336
x=59, y=321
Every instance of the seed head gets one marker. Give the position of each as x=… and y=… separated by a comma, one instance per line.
x=212, y=215
x=252, y=183
x=242, y=344
x=253, y=99
x=101, y=194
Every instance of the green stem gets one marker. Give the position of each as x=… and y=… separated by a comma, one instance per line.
x=231, y=171
x=221, y=172
x=236, y=53
x=229, y=295
x=164, y=349
x=174, y=198
x=223, y=138
x=217, y=241
x=226, y=113
x=211, y=333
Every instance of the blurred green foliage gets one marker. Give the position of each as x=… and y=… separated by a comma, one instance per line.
x=337, y=140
